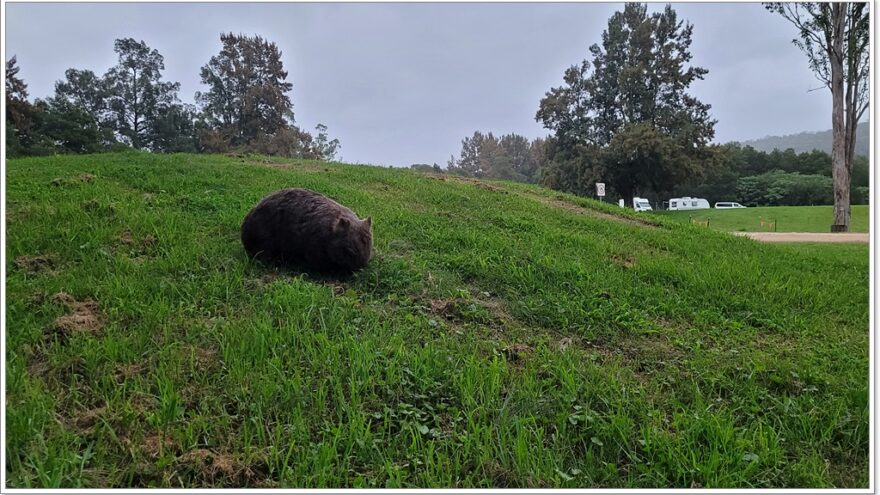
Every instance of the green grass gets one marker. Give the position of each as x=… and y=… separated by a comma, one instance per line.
x=503, y=336
x=787, y=218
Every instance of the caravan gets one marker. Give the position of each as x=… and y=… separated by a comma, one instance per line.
x=688, y=203
x=641, y=204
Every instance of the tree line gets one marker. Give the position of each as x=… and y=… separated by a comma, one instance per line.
x=625, y=118
x=246, y=107
x=735, y=173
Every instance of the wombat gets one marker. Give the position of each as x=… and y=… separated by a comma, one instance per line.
x=301, y=228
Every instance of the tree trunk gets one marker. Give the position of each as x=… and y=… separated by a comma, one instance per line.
x=839, y=170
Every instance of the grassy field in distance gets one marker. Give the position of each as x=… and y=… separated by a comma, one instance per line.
x=504, y=335
x=787, y=218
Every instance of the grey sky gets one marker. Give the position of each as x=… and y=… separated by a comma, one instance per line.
x=404, y=83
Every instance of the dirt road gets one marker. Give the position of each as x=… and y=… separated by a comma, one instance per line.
x=857, y=237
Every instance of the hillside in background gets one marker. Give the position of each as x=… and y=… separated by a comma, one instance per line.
x=809, y=141
x=504, y=335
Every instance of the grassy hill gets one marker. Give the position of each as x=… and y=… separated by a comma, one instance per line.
x=804, y=142
x=503, y=336
x=787, y=218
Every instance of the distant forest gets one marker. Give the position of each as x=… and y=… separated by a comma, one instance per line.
x=730, y=172
x=804, y=142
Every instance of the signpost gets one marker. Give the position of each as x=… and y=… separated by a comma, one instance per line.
x=600, y=190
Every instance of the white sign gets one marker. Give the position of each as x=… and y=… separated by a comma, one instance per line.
x=600, y=189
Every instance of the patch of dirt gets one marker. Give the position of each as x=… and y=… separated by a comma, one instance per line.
x=87, y=177
x=377, y=187
x=623, y=260
x=517, y=352
x=490, y=187
x=211, y=466
x=442, y=307
x=156, y=444
x=84, y=316
x=36, y=263
x=837, y=237
x=138, y=248
x=125, y=371
x=126, y=237
x=143, y=403
x=205, y=357
x=86, y=420
x=58, y=182
x=475, y=183
x=564, y=343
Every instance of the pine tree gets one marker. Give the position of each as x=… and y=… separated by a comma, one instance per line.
x=247, y=97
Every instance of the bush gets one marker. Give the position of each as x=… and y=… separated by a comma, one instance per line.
x=778, y=188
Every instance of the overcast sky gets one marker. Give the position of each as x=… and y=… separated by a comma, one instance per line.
x=404, y=83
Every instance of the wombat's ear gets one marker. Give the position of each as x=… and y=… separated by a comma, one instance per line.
x=369, y=222
x=341, y=223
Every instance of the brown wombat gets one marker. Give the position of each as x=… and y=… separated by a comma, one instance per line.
x=302, y=228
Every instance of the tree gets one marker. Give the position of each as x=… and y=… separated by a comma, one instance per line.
x=176, y=129
x=469, y=164
x=325, y=147
x=19, y=112
x=635, y=88
x=84, y=89
x=135, y=91
x=89, y=93
x=64, y=127
x=247, y=95
x=510, y=157
x=834, y=36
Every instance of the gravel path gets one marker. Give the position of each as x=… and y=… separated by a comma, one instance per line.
x=858, y=237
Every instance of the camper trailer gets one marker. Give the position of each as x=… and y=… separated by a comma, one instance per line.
x=688, y=203
x=641, y=204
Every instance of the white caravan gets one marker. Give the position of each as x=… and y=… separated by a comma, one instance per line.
x=688, y=203
x=641, y=204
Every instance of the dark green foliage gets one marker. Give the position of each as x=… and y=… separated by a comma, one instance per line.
x=88, y=93
x=634, y=102
x=19, y=112
x=247, y=89
x=176, y=129
x=510, y=157
x=247, y=107
x=778, y=188
x=135, y=92
x=424, y=167
x=86, y=90
x=64, y=127
x=795, y=179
